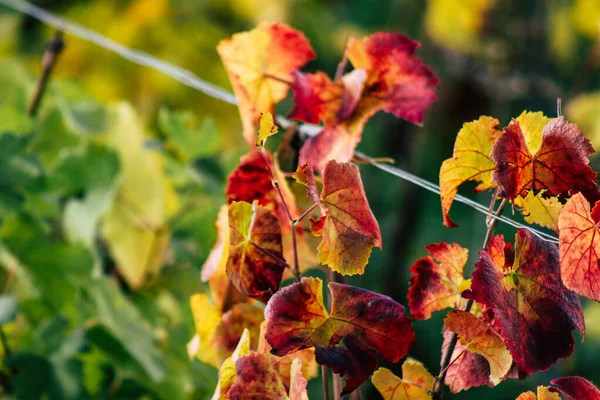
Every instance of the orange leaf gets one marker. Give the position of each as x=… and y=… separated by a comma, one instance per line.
x=257, y=377
x=580, y=246
x=260, y=63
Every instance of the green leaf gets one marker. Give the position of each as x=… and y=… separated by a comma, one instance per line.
x=8, y=308
x=188, y=139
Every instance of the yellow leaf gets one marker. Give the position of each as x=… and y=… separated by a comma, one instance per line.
x=267, y=128
x=415, y=384
x=470, y=161
x=532, y=125
x=206, y=319
x=456, y=24
x=135, y=227
x=542, y=394
x=583, y=110
x=540, y=210
x=586, y=17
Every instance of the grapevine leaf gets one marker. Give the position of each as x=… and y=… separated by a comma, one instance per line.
x=227, y=369
x=255, y=252
x=368, y=322
x=306, y=356
x=316, y=98
x=543, y=393
x=466, y=369
x=257, y=377
x=480, y=338
x=206, y=318
x=251, y=181
x=349, y=229
x=559, y=164
x=266, y=129
x=306, y=176
x=397, y=82
x=579, y=247
x=470, y=161
x=260, y=62
x=576, y=388
x=415, y=384
x=436, y=282
x=518, y=288
x=539, y=209
x=387, y=77
x=233, y=323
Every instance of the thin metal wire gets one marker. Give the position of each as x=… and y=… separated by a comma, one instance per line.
x=188, y=78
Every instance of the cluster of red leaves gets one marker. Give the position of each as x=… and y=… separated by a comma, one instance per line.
x=536, y=163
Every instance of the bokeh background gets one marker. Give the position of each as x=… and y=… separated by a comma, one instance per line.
x=108, y=198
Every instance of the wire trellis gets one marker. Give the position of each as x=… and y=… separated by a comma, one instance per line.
x=190, y=79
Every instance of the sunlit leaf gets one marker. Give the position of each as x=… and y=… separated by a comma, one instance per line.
x=260, y=62
x=435, y=282
x=470, y=161
x=466, y=369
x=518, y=287
x=257, y=377
x=415, y=384
x=266, y=129
x=227, y=369
x=539, y=209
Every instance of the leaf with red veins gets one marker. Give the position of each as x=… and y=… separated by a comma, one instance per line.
x=480, y=338
x=580, y=246
x=353, y=361
x=350, y=230
x=435, y=282
x=575, y=388
x=533, y=311
x=255, y=251
x=334, y=142
x=306, y=176
x=260, y=64
x=297, y=319
x=466, y=369
x=397, y=82
x=560, y=165
x=257, y=378
x=233, y=322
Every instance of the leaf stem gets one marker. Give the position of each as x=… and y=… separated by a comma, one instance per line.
x=492, y=223
x=53, y=50
x=325, y=380
x=305, y=213
x=296, y=270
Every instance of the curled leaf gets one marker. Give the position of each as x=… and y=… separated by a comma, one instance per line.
x=266, y=129
x=436, y=282
x=576, y=388
x=470, y=161
x=466, y=369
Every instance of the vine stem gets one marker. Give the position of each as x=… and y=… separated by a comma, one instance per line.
x=53, y=50
x=492, y=224
x=296, y=270
x=325, y=380
x=332, y=276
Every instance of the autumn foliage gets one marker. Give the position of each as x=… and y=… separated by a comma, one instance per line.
x=515, y=316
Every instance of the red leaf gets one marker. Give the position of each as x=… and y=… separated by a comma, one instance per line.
x=305, y=176
x=254, y=250
x=576, y=388
x=580, y=246
x=350, y=229
x=470, y=370
x=316, y=98
x=560, y=165
x=533, y=311
x=387, y=77
x=435, y=285
x=297, y=319
x=355, y=362
x=257, y=378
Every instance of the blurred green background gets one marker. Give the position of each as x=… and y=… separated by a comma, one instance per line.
x=108, y=198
